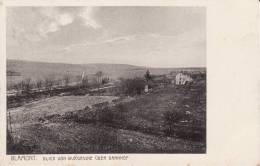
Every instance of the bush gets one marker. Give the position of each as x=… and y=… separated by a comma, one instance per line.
x=105, y=80
x=171, y=118
x=132, y=86
x=111, y=116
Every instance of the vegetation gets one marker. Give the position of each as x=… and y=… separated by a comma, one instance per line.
x=171, y=119
x=132, y=86
x=147, y=76
x=24, y=85
x=66, y=79
x=84, y=82
x=168, y=119
x=105, y=80
x=39, y=84
x=18, y=146
x=99, y=75
x=49, y=82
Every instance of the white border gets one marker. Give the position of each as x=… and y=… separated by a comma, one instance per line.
x=233, y=70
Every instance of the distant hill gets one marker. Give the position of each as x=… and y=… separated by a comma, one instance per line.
x=41, y=70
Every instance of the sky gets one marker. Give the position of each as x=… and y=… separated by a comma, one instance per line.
x=143, y=36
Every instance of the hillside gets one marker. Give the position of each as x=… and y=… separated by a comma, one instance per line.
x=41, y=70
x=168, y=119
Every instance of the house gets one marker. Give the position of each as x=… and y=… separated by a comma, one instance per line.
x=182, y=79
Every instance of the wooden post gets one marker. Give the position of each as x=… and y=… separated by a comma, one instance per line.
x=10, y=121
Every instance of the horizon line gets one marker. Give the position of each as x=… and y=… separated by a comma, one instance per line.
x=102, y=63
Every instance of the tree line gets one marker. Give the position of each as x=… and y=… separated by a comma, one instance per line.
x=51, y=81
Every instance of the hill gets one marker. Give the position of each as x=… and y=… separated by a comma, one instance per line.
x=41, y=70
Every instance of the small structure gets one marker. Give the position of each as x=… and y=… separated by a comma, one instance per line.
x=182, y=79
x=146, y=88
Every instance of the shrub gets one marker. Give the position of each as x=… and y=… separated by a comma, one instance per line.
x=132, y=86
x=111, y=116
x=105, y=80
x=171, y=118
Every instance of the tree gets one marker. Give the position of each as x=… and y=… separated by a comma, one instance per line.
x=17, y=86
x=66, y=79
x=147, y=76
x=132, y=86
x=84, y=81
x=49, y=82
x=26, y=85
x=39, y=84
x=99, y=75
x=171, y=119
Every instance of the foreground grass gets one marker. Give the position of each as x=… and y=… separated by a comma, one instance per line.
x=139, y=126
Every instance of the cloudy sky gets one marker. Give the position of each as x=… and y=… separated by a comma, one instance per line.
x=144, y=36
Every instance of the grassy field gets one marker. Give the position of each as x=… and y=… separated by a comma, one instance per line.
x=168, y=119
x=32, y=112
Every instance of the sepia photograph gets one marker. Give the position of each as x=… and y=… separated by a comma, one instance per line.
x=106, y=79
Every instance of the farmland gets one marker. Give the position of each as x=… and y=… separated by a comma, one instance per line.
x=167, y=119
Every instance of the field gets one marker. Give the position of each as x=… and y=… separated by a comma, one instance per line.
x=168, y=119
x=29, y=113
x=113, y=117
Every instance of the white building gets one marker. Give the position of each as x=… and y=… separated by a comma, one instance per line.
x=182, y=79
